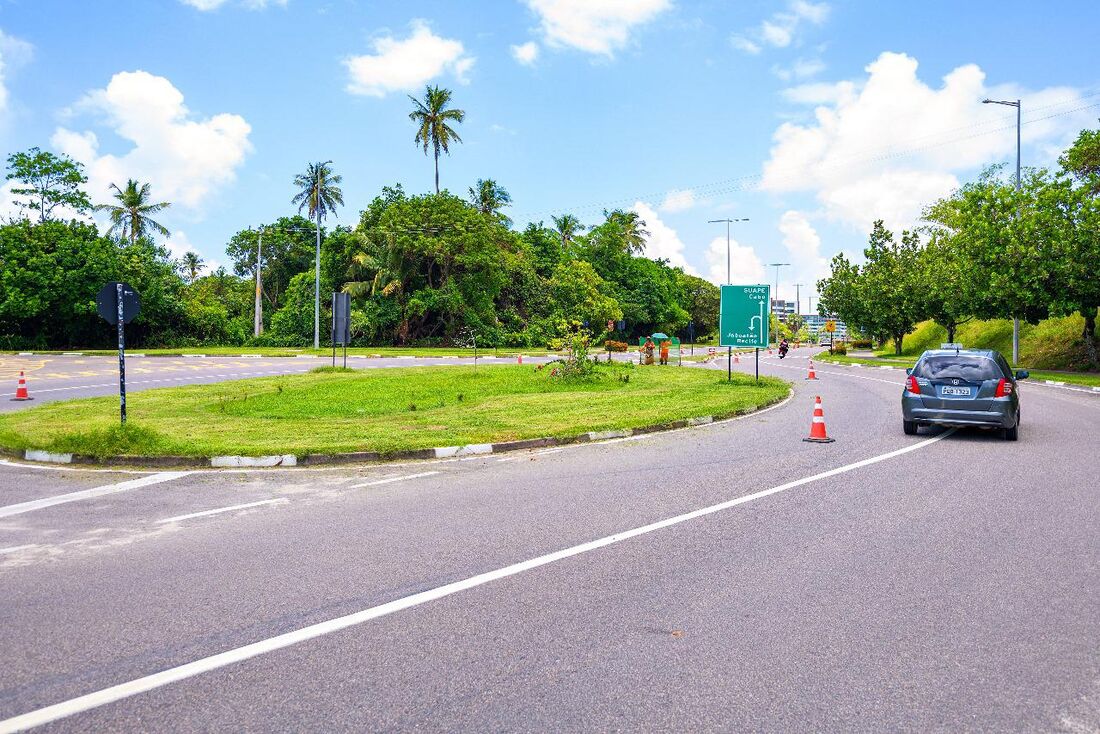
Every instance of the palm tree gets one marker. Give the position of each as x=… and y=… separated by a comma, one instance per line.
x=567, y=226
x=632, y=227
x=191, y=264
x=490, y=197
x=318, y=190
x=131, y=217
x=431, y=116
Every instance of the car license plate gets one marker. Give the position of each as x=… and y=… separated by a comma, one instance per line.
x=956, y=391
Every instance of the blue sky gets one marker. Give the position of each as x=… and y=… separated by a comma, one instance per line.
x=810, y=118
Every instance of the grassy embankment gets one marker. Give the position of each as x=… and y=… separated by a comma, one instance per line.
x=1050, y=350
x=381, y=410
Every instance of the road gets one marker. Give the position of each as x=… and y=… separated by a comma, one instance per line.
x=727, y=577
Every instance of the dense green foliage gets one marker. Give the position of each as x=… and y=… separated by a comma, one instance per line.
x=991, y=251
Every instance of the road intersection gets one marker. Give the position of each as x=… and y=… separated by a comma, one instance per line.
x=727, y=576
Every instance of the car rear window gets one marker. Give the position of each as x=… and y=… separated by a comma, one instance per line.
x=960, y=366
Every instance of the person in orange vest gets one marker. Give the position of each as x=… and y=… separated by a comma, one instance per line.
x=664, y=351
x=647, y=351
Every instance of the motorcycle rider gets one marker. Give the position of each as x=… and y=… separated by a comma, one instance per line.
x=784, y=345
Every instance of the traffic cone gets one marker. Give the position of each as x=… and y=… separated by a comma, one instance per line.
x=817, y=425
x=812, y=375
x=737, y=357
x=519, y=359
x=21, y=391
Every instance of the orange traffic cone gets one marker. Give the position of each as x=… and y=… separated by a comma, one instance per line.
x=817, y=426
x=21, y=391
x=519, y=359
x=812, y=375
x=737, y=357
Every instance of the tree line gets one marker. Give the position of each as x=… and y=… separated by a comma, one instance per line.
x=991, y=250
x=422, y=269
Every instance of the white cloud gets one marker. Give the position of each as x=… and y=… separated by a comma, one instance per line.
x=800, y=69
x=206, y=5
x=185, y=159
x=405, y=65
x=663, y=243
x=13, y=53
x=598, y=27
x=746, y=267
x=781, y=29
x=803, y=246
x=526, y=53
x=678, y=200
x=888, y=145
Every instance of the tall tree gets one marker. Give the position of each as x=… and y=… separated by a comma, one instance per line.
x=191, y=264
x=433, y=117
x=490, y=197
x=131, y=217
x=319, y=190
x=632, y=227
x=568, y=227
x=49, y=181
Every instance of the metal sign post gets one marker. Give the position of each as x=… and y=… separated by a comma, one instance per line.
x=118, y=304
x=743, y=320
x=341, y=324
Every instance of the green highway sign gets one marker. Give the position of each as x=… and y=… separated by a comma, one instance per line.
x=743, y=318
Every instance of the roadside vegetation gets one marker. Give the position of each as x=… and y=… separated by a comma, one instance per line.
x=385, y=410
x=992, y=251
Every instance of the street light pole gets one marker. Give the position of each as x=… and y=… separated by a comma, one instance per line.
x=258, y=326
x=729, y=277
x=775, y=296
x=798, y=299
x=317, y=265
x=1019, y=107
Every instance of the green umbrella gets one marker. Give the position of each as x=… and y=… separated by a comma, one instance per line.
x=658, y=336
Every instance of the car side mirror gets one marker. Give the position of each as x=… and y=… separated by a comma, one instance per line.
x=1022, y=374
x=908, y=370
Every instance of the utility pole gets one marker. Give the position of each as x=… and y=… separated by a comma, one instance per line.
x=1015, y=319
x=798, y=299
x=317, y=265
x=729, y=354
x=775, y=296
x=258, y=319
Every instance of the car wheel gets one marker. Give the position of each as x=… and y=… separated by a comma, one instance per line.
x=910, y=428
x=1011, y=434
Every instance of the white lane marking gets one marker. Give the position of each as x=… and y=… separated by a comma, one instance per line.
x=14, y=548
x=544, y=452
x=54, y=467
x=403, y=478
x=84, y=494
x=204, y=513
x=507, y=458
x=229, y=657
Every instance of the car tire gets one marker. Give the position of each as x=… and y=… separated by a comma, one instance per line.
x=1012, y=434
x=910, y=428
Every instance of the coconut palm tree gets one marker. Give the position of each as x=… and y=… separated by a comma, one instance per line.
x=567, y=226
x=318, y=190
x=191, y=264
x=632, y=227
x=490, y=197
x=432, y=117
x=132, y=218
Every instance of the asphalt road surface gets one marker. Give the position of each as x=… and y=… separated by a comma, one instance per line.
x=729, y=577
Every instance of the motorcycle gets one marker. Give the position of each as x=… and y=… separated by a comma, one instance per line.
x=782, y=351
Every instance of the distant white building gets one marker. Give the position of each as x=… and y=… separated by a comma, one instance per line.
x=783, y=309
x=816, y=324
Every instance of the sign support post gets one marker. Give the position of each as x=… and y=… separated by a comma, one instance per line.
x=121, y=355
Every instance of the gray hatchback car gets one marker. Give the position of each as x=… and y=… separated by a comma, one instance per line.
x=962, y=387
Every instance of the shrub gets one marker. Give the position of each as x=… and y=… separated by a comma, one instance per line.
x=613, y=346
x=861, y=344
x=839, y=348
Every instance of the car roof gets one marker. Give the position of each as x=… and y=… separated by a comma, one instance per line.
x=990, y=353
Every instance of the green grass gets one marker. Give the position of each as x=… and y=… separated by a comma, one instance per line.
x=1090, y=379
x=292, y=351
x=381, y=410
x=1052, y=344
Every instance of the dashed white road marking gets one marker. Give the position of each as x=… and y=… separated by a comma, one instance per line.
x=163, y=678
x=205, y=513
x=84, y=494
x=14, y=548
x=402, y=478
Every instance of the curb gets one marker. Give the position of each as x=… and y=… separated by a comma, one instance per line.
x=359, y=457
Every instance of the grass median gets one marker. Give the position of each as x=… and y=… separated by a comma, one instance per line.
x=382, y=410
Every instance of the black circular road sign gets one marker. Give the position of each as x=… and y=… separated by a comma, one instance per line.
x=107, y=303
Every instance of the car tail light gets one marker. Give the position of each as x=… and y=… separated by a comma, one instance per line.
x=912, y=385
x=1004, y=387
